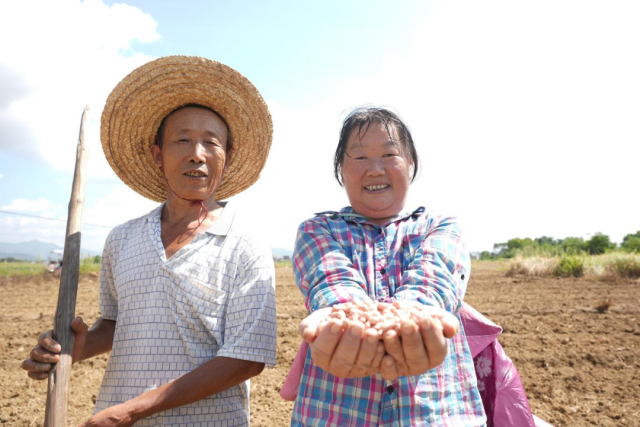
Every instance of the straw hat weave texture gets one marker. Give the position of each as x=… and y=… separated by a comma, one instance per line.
x=136, y=106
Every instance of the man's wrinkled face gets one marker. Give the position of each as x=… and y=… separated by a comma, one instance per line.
x=194, y=152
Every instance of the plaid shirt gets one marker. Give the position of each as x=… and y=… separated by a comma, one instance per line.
x=418, y=256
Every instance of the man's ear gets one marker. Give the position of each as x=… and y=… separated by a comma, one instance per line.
x=156, y=153
x=228, y=157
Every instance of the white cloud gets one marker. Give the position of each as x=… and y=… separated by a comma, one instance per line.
x=41, y=205
x=117, y=207
x=99, y=215
x=67, y=55
x=525, y=117
x=297, y=180
x=17, y=228
x=110, y=210
x=524, y=113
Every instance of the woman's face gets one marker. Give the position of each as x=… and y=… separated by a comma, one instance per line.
x=376, y=173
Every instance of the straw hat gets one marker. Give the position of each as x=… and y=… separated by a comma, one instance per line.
x=142, y=99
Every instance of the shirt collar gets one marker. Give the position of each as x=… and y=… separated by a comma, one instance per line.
x=350, y=215
x=220, y=227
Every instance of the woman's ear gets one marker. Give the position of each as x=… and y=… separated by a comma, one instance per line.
x=156, y=154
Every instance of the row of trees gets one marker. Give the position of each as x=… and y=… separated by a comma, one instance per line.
x=598, y=244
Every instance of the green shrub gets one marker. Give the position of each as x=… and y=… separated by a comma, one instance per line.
x=569, y=266
x=283, y=263
x=20, y=268
x=631, y=244
x=573, y=245
x=88, y=265
x=539, y=251
x=612, y=265
x=599, y=244
x=485, y=255
x=622, y=265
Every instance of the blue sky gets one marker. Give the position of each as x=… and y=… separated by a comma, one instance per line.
x=525, y=113
x=287, y=48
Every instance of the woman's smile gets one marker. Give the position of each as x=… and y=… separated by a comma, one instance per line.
x=376, y=173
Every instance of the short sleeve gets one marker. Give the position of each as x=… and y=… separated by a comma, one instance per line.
x=323, y=269
x=108, y=298
x=438, y=266
x=250, y=323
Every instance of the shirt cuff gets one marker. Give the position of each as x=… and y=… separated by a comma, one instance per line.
x=269, y=360
x=417, y=296
x=336, y=295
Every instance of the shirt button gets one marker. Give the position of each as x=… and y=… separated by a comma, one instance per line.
x=390, y=389
x=462, y=277
x=383, y=271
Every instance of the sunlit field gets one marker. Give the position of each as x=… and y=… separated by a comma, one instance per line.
x=575, y=341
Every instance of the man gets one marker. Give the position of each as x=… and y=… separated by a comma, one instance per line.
x=187, y=298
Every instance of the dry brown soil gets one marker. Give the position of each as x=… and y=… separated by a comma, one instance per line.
x=579, y=367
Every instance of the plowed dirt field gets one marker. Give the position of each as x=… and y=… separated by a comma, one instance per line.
x=580, y=367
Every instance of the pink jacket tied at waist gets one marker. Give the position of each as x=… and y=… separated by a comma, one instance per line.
x=499, y=383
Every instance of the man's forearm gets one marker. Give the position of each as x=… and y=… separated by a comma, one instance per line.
x=99, y=339
x=215, y=376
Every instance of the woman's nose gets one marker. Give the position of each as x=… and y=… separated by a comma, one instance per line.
x=375, y=167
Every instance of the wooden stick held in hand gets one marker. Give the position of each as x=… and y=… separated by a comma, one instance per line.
x=58, y=388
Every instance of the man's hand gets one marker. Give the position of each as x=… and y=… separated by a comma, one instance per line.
x=114, y=416
x=44, y=355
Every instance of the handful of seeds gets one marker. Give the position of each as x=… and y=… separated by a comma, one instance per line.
x=380, y=316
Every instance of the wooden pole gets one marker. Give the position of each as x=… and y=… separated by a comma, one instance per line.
x=58, y=387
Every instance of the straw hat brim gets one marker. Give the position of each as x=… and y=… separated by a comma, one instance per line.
x=136, y=106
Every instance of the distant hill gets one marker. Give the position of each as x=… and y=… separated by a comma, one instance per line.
x=14, y=255
x=34, y=250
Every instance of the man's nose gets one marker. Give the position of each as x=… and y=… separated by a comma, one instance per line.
x=197, y=153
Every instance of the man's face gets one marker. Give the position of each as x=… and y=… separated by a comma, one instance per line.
x=194, y=152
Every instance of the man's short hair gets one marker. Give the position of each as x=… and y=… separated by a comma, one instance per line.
x=160, y=133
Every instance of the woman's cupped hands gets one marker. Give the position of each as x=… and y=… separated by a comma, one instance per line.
x=358, y=339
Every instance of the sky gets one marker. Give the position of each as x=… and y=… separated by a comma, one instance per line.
x=525, y=114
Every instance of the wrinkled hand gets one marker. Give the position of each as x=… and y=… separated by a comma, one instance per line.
x=417, y=344
x=44, y=355
x=114, y=416
x=343, y=348
x=361, y=339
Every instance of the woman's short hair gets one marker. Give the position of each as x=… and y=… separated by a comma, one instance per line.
x=360, y=119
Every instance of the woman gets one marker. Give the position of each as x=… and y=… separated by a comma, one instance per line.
x=376, y=251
